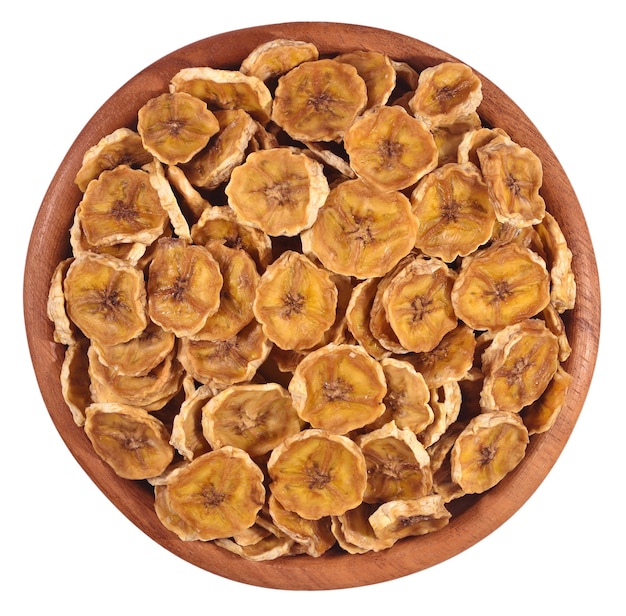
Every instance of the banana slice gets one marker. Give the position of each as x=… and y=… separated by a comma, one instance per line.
x=418, y=304
x=319, y=100
x=121, y=207
x=354, y=532
x=295, y=302
x=187, y=435
x=75, y=388
x=338, y=388
x=355, y=233
x=130, y=440
x=105, y=298
x=64, y=330
x=240, y=282
x=220, y=363
x=541, y=415
x=454, y=210
x=518, y=365
x=500, y=285
x=169, y=519
x=121, y=147
x=488, y=449
x=276, y=57
x=225, y=89
x=440, y=465
x=390, y=149
x=268, y=548
x=212, y=166
x=445, y=402
x=446, y=92
x=252, y=417
x=278, y=191
x=398, y=519
x=139, y=355
x=184, y=284
x=378, y=72
x=315, y=536
x=317, y=474
x=175, y=126
x=217, y=494
x=514, y=176
x=398, y=465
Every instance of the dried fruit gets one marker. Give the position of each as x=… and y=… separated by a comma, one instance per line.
x=277, y=57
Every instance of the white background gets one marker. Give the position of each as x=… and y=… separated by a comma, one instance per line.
x=66, y=548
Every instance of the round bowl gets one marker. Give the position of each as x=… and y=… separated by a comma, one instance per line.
x=475, y=517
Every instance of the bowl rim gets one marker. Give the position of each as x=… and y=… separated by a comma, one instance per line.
x=333, y=570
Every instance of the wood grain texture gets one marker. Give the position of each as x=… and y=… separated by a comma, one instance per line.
x=476, y=517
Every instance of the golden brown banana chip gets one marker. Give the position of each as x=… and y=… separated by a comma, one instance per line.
x=454, y=211
x=317, y=474
x=445, y=93
x=187, y=435
x=105, y=298
x=278, y=191
x=64, y=330
x=121, y=147
x=295, y=302
x=130, y=440
x=225, y=89
x=251, y=416
x=121, y=206
x=518, y=365
x=398, y=519
x=398, y=466
x=354, y=532
x=514, y=176
x=389, y=148
x=489, y=448
x=184, y=284
x=500, y=285
x=169, y=519
x=175, y=126
x=217, y=494
x=318, y=100
x=277, y=57
x=338, y=388
x=75, y=388
x=355, y=233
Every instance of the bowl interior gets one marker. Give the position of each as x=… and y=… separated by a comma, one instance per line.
x=473, y=518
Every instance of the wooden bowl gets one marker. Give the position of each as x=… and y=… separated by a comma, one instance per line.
x=474, y=518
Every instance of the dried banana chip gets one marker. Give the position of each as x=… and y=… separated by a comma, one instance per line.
x=187, y=435
x=398, y=519
x=175, y=126
x=474, y=139
x=378, y=72
x=221, y=363
x=440, y=465
x=252, y=417
x=317, y=474
x=518, y=365
x=268, y=548
x=315, y=536
x=319, y=100
x=121, y=207
x=75, y=388
x=355, y=534
x=130, y=440
x=418, y=304
x=541, y=415
x=446, y=92
x=169, y=519
x=454, y=210
x=276, y=57
x=212, y=166
x=295, y=302
x=217, y=494
x=278, y=191
x=398, y=465
x=445, y=401
x=338, y=388
x=240, y=281
x=226, y=89
x=193, y=200
x=500, y=285
x=183, y=288
x=514, y=176
x=121, y=147
x=488, y=449
x=389, y=148
x=105, y=298
x=64, y=330
x=139, y=355
x=355, y=233
x=407, y=398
